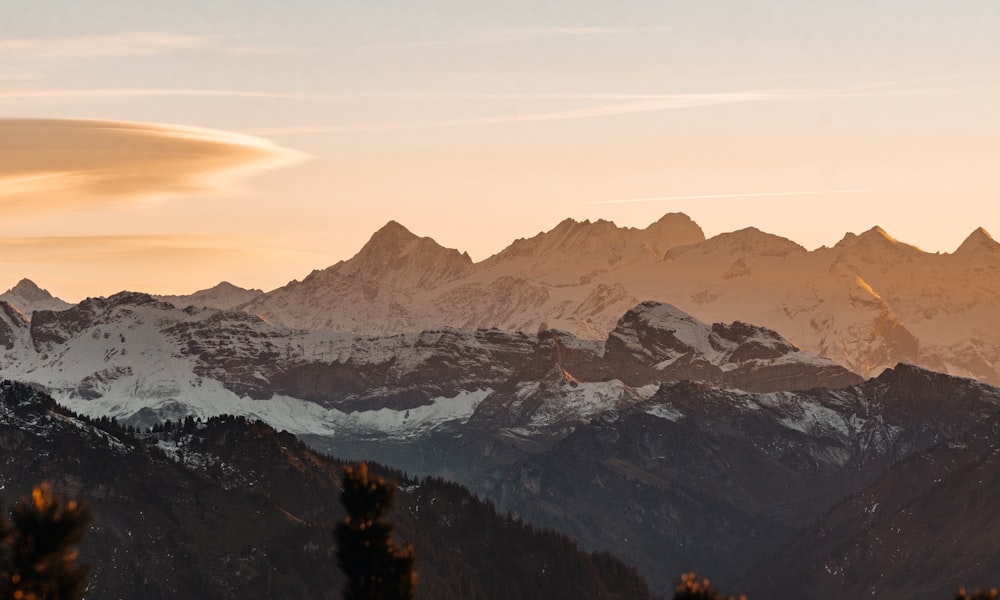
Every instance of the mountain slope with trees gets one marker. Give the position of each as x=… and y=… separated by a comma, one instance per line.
x=230, y=508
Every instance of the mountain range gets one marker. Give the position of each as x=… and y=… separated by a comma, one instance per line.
x=141, y=360
x=782, y=493
x=739, y=405
x=867, y=303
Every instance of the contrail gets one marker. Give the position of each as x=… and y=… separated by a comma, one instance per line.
x=715, y=196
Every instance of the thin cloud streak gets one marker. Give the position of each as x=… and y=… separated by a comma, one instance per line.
x=505, y=35
x=723, y=196
x=141, y=92
x=86, y=247
x=864, y=89
x=654, y=104
x=73, y=94
x=131, y=43
x=637, y=103
x=115, y=44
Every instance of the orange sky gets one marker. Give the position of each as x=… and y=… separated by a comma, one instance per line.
x=255, y=144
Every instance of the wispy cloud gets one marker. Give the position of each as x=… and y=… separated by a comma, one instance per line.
x=503, y=35
x=115, y=44
x=614, y=104
x=83, y=93
x=56, y=164
x=635, y=104
x=129, y=43
x=728, y=196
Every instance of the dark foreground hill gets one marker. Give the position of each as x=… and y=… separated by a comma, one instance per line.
x=723, y=481
x=233, y=509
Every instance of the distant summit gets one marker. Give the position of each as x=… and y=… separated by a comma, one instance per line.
x=27, y=297
x=874, y=236
x=223, y=296
x=747, y=243
x=584, y=246
x=27, y=289
x=979, y=241
x=868, y=302
x=396, y=256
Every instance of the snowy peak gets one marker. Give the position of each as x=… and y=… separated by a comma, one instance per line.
x=396, y=256
x=390, y=238
x=27, y=289
x=656, y=337
x=50, y=327
x=875, y=239
x=604, y=237
x=979, y=241
x=223, y=296
x=568, y=235
x=660, y=330
x=676, y=225
x=575, y=247
x=28, y=297
x=745, y=243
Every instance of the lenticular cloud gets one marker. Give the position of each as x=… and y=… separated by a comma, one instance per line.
x=57, y=164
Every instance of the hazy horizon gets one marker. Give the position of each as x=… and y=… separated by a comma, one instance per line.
x=167, y=148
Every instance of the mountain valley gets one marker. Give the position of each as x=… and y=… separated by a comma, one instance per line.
x=740, y=406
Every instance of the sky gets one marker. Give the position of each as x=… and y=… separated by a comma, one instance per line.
x=165, y=147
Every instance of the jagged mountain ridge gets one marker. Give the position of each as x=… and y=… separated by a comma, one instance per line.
x=868, y=302
x=139, y=359
x=230, y=508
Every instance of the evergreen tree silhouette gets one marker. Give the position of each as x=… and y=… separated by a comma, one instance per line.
x=38, y=548
x=689, y=588
x=990, y=594
x=375, y=568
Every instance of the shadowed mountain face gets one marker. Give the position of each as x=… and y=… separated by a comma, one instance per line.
x=736, y=484
x=700, y=478
x=925, y=528
x=689, y=476
x=232, y=509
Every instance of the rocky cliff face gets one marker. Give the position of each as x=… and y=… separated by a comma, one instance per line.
x=926, y=528
x=694, y=477
x=134, y=357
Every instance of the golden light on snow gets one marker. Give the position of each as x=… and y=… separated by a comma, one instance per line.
x=60, y=164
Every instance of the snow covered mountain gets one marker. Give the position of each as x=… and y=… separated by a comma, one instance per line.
x=28, y=297
x=141, y=360
x=868, y=302
x=224, y=295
